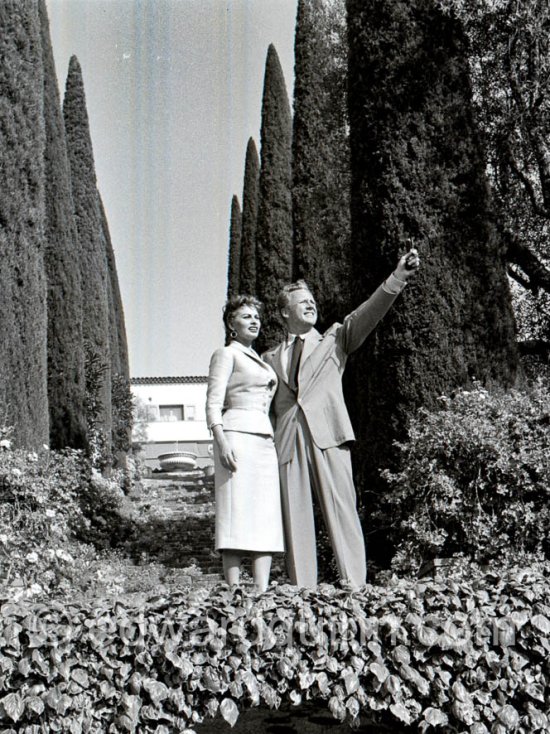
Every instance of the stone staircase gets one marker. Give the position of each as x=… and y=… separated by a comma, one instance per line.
x=180, y=532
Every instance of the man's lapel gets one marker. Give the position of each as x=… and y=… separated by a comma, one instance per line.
x=275, y=360
x=306, y=366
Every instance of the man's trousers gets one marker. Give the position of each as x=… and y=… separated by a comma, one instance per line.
x=328, y=473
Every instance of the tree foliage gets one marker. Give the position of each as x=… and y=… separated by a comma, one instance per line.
x=274, y=229
x=473, y=479
x=66, y=382
x=23, y=322
x=509, y=51
x=320, y=156
x=234, y=263
x=418, y=172
x=92, y=249
x=249, y=219
x=117, y=327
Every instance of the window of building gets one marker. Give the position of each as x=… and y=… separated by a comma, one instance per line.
x=171, y=412
x=189, y=412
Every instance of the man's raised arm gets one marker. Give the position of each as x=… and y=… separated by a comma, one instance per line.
x=359, y=323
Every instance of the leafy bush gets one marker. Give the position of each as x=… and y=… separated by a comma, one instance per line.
x=55, y=512
x=466, y=654
x=99, y=444
x=473, y=478
x=123, y=413
x=108, y=519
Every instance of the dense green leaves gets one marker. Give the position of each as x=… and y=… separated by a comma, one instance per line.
x=418, y=171
x=251, y=184
x=320, y=157
x=432, y=654
x=234, y=264
x=473, y=479
x=274, y=224
x=64, y=307
x=92, y=254
x=23, y=322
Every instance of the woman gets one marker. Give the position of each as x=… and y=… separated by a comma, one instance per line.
x=248, y=502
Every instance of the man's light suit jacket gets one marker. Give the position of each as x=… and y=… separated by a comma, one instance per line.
x=320, y=394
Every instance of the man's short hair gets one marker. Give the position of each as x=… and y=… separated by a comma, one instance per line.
x=283, y=299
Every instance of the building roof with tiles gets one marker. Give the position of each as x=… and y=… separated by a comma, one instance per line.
x=185, y=380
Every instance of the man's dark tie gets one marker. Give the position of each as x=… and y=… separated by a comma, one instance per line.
x=294, y=367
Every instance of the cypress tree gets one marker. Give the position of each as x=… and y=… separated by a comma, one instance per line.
x=320, y=156
x=418, y=172
x=234, y=262
x=249, y=218
x=274, y=230
x=23, y=320
x=121, y=400
x=117, y=327
x=65, y=350
x=93, y=260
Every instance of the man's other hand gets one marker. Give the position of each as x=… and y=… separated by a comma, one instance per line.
x=407, y=265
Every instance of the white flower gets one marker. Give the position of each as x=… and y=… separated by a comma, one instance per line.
x=34, y=589
x=5, y=443
x=60, y=553
x=16, y=472
x=32, y=456
x=31, y=557
x=4, y=539
x=50, y=513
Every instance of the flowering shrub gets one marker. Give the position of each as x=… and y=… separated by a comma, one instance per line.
x=107, y=518
x=55, y=511
x=474, y=479
x=38, y=501
x=99, y=444
x=467, y=654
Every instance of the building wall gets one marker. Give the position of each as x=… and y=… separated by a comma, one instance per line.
x=167, y=400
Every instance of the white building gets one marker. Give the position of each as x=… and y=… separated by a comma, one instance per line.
x=175, y=416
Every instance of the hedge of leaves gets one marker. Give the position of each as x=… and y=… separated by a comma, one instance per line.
x=465, y=654
x=473, y=478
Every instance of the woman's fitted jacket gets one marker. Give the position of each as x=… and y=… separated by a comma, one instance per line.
x=241, y=387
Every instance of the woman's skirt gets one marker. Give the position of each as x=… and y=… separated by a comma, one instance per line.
x=248, y=500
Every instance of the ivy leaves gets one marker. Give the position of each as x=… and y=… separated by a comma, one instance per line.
x=465, y=653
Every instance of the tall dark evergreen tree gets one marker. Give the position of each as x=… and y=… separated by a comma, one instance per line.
x=418, y=172
x=321, y=165
x=234, y=262
x=121, y=401
x=117, y=327
x=249, y=218
x=274, y=230
x=23, y=320
x=66, y=381
x=93, y=259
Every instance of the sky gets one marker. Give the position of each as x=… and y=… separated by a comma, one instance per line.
x=173, y=92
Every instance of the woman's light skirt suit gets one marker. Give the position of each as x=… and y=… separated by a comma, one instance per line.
x=248, y=501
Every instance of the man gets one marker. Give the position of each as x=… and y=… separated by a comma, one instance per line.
x=312, y=426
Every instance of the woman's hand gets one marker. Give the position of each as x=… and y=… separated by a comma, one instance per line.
x=227, y=456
